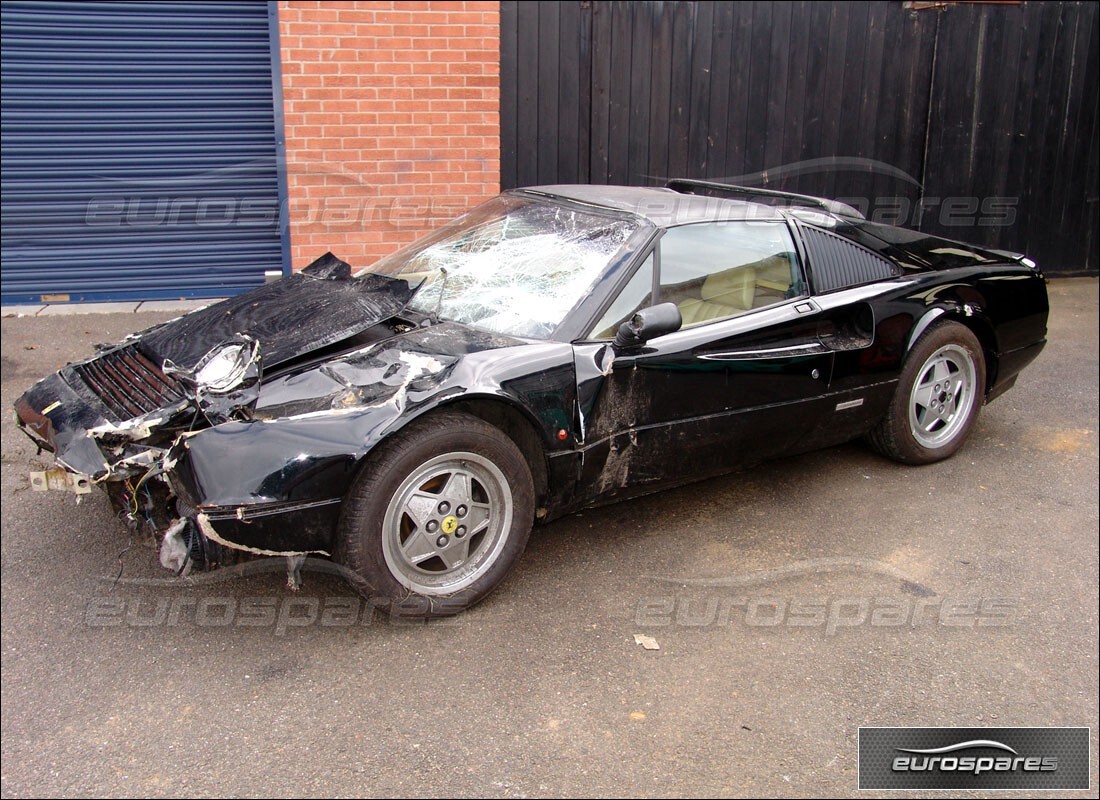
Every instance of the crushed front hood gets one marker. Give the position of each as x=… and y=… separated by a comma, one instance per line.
x=125, y=393
x=289, y=318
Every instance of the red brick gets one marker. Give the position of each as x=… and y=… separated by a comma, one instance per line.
x=392, y=120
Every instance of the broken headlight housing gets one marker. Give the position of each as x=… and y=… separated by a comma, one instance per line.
x=225, y=366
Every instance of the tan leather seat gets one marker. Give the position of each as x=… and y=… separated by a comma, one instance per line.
x=723, y=294
x=774, y=273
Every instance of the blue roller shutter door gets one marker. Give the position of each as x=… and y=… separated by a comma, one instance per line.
x=139, y=151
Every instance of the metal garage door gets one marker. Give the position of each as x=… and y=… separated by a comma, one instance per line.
x=139, y=150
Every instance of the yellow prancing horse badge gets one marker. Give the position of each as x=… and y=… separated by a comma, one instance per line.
x=449, y=524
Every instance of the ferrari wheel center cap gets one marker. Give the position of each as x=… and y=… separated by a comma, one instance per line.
x=449, y=524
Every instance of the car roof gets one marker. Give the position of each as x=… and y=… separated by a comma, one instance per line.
x=662, y=207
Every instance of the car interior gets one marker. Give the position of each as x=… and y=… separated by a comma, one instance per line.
x=720, y=269
x=732, y=291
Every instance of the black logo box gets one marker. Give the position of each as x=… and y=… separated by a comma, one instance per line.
x=1038, y=758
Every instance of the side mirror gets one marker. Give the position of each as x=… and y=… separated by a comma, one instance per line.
x=647, y=324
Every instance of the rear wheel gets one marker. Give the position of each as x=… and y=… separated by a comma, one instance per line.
x=438, y=516
x=938, y=397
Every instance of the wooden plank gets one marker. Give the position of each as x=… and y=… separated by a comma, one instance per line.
x=1016, y=167
x=641, y=52
x=834, y=90
x=737, y=119
x=569, y=106
x=759, y=88
x=1054, y=140
x=1090, y=241
x=792, y=132
x=1035, y=190
x=778, y=74
x=948, y=163
x=720, y=68
x=817, y=105
x=619, y=93
x=860, y=184
x=885, y=108
x=509, y=95
x=984, y=132
x=660, y=97
x=977, y=134
x=584, y=88
x=1002, y=84
x=548, y=76
x=699, y=116
x=683, y=28
x=527, y=81
x=912, y=83
x=1089, y=207
x=601, y=87
x=847, y=102
x=1071, y=150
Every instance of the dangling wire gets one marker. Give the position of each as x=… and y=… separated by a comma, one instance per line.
x=130, y=526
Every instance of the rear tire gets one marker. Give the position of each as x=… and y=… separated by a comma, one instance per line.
x=939, y=394
x=438, y=516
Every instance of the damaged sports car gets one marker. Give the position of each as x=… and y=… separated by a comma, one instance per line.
x=554, y=348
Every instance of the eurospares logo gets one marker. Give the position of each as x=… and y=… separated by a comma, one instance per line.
x=974, y=758
x=945, y=760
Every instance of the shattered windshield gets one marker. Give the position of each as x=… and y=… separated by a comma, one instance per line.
x=513, y=265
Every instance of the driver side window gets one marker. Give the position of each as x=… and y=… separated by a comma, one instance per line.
x=714, y=270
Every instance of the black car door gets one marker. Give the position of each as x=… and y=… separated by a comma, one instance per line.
x=704, y=400
x=745, y=380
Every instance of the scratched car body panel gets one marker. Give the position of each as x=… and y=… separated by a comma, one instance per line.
x=555, y=348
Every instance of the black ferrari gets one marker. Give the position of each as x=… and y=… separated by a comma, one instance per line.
x=553, y=348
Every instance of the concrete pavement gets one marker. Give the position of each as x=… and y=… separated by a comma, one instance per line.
x=792, y=604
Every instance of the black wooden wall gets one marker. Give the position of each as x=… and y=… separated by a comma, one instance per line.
x=974, y=121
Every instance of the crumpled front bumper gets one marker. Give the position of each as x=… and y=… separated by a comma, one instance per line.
x=93, y=450
x=59, y=419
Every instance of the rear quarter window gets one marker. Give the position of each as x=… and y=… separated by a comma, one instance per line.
x=838, y=263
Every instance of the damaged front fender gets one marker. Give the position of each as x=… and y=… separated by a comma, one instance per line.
x=273, y=484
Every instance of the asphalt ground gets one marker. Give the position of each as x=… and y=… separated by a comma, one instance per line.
x=791, y=604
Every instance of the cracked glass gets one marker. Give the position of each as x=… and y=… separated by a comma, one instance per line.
x=513, y=265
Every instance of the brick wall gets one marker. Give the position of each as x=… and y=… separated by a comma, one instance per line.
x=392, y=120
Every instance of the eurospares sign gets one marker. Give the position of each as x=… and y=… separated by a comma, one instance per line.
x=974, y=758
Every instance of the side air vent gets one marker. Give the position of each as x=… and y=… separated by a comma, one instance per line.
x=837, y=263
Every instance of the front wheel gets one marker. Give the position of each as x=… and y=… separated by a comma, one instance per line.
x=438, y=516
x=938, y=397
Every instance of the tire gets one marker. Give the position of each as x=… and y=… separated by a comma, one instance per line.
x=438, y=516
x=939, y=394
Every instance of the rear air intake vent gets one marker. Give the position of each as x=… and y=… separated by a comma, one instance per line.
x=837, y=263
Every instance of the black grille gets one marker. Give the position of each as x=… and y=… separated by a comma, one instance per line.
x=128, y=383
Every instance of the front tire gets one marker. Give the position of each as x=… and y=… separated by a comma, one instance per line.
x=438, y=516
x=939, y=394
